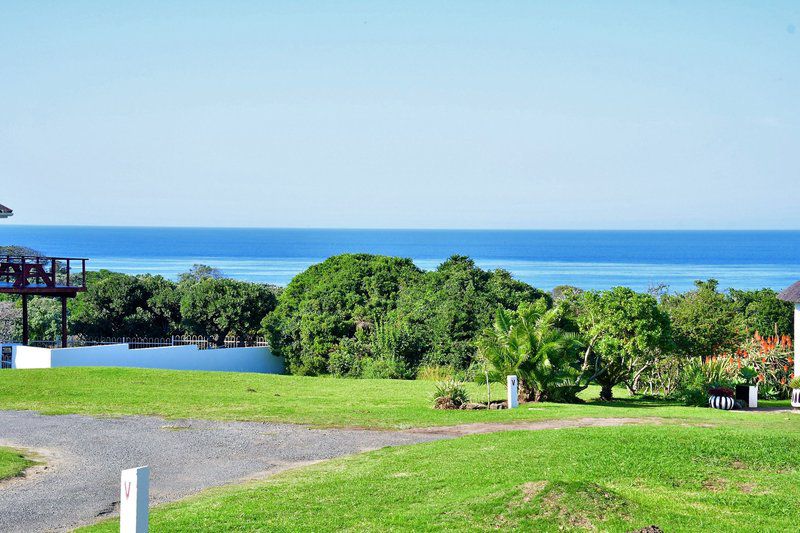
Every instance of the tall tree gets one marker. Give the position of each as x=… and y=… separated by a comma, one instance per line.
x=217, y=307
x=119, y=305
x=330, y=301
x=626, y=331
x=704, y=321
x=763, y=312
x=452, y=305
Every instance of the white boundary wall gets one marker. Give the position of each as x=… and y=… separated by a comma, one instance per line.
x=253, y=359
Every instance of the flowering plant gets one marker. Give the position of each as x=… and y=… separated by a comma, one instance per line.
x=721, y=391
x=771, y=358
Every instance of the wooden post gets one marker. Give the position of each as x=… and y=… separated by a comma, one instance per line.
x=63, y=321
x=25, y=337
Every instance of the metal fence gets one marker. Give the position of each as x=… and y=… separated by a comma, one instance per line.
x=148, y=342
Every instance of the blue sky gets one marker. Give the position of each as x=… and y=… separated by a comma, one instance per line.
x=402, y=114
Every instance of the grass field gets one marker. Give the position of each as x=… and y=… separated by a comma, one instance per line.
x=12, y=463
x=608, y=479
x=682, y=468
x=317, y=401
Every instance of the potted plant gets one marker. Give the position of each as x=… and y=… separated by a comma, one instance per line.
x=747, y=391
x=721, y=398
x=795, y=386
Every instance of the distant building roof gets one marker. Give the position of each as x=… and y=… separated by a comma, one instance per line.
x=791, y=294
x=5, y=211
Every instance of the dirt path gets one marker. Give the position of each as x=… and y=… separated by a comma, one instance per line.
x=478, y=428
x=84, y=456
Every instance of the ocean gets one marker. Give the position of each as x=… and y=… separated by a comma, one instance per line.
x=545, y=259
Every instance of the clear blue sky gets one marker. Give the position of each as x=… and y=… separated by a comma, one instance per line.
x=682, y=114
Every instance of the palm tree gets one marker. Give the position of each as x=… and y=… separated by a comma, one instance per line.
x=527, y=342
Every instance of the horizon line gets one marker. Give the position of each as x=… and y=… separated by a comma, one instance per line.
x=351, y=228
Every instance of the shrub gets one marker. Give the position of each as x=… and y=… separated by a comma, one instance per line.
x=345, y=361
x=450, y=394
x=436, y=373
x=795, y=383
x=772, y=360
x=384, y=368
x=332, y=301
x=697, y=376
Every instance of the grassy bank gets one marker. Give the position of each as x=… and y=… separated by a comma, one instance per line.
x=611, y=479
x=12, y=463
x=317, y=401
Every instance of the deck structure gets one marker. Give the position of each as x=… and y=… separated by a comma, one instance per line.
x=57, y=277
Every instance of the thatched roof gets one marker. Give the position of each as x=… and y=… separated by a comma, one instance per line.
x=791, y=294
x=4, y=209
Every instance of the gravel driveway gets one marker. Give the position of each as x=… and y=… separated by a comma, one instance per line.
x=84, y=457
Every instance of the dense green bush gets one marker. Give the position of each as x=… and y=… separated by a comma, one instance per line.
x=704, y=321
x=119, y=305
x=762, y=311
x=697, y=377
x=217, y=307
x=330, y=302
x=453, y=304
x=397, y=316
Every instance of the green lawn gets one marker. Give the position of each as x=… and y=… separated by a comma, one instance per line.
x=12, y=463
x=685, y=469
x=316, y=401
x=680, y=478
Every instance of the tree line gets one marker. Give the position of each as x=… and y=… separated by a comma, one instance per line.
x=202, y=302
x=361, y=315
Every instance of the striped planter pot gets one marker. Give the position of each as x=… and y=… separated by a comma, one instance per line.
x=795, y=397
x=721, y=402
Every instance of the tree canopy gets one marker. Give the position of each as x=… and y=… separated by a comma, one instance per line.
x=119, y=305
x=704, y=320
x=216, y=307
x=625, y=331
x=451, y=305
x=330, y=301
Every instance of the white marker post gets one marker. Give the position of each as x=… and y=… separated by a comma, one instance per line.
x=134, y=492
x=513, y=394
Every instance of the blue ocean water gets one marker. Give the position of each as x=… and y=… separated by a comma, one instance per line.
x=588, y=259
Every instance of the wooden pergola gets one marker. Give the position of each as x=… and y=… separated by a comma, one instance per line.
x=57, y=277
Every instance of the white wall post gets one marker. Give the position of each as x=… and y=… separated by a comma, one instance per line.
x=796, y=339
x=512, y=384
x=752, y=397
x=134, y=490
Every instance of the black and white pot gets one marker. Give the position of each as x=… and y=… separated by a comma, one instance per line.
x=721, y=402
x=795, y=397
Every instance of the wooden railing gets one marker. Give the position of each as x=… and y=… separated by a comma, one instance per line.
x=22, y=271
